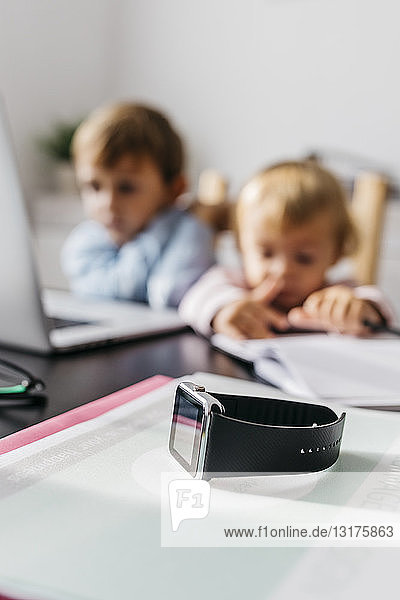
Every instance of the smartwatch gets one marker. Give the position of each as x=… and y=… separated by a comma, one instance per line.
x=216, y=435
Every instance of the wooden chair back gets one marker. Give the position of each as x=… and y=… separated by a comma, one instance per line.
x=368, y=208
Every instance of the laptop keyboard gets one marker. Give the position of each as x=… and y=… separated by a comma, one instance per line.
x=58, y=322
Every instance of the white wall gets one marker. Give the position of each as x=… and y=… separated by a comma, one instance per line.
x=56, y=62
x=249, y=81
x=246, y=81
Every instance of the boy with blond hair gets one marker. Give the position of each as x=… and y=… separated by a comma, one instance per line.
x=137, y=244
x=292, y=226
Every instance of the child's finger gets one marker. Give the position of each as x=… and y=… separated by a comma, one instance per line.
x=340, y=312
x=298, y=317
x=319, y=308
x=267, y=291
x=326, y=310
x=254, y=329
x=269, y=316
x=312, y=305
x=256, y=322
x=354, y=325
x=277, y=319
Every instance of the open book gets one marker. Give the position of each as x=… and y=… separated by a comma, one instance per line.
x=361, y=372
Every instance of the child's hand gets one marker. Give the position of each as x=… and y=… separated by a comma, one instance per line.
x=335, y=308
x=252, y=317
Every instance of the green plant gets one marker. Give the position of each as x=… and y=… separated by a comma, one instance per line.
x=57, y=144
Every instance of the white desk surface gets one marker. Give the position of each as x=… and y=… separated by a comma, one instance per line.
x=80, y=515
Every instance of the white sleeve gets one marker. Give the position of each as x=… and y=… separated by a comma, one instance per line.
x=217, y=288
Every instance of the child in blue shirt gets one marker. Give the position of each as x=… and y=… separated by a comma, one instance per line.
x=136, y=245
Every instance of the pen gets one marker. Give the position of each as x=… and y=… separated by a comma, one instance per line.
x=382, y=327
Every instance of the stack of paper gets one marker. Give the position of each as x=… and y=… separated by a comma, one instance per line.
x=362, y=372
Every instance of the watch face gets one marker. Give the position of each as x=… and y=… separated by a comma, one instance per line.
x=186, y=430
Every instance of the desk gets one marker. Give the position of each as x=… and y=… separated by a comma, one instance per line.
x=77, y=378
x=104, y=542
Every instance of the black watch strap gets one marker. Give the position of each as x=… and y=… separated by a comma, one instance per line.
x=268, y=435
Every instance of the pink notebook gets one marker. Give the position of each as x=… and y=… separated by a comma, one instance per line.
x=80, y=414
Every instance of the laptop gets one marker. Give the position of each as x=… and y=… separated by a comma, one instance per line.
x=49, y=321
